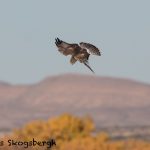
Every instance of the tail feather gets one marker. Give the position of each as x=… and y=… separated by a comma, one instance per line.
x=88, y=67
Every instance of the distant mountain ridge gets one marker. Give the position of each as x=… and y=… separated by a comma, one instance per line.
x=110, y=101
x=4, y=83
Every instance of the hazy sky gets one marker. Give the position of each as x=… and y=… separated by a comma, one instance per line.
x=28, y=29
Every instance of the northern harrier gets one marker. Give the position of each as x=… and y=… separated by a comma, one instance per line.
x=79, y=52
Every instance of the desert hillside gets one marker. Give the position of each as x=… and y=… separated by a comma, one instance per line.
x=110, y=101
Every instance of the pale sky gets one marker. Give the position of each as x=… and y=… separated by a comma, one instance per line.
x=28, y=28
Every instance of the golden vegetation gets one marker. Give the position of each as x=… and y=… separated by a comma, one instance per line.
x=70, y=133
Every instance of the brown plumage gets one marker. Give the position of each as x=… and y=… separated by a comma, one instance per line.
x=79, y=53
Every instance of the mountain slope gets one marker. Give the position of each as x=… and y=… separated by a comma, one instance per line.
x=110, y=101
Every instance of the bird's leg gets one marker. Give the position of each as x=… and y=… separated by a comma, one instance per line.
x=88, y=67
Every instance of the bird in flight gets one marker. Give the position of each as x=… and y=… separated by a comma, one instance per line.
x=79, y=52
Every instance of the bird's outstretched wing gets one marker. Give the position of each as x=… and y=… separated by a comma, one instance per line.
x=90, y=48
x=86, y=64
x=63, y=47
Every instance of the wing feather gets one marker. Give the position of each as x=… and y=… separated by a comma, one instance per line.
x=64, y=48
x=91, y=48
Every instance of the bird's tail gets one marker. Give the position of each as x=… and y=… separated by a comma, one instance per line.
x=86, y=64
